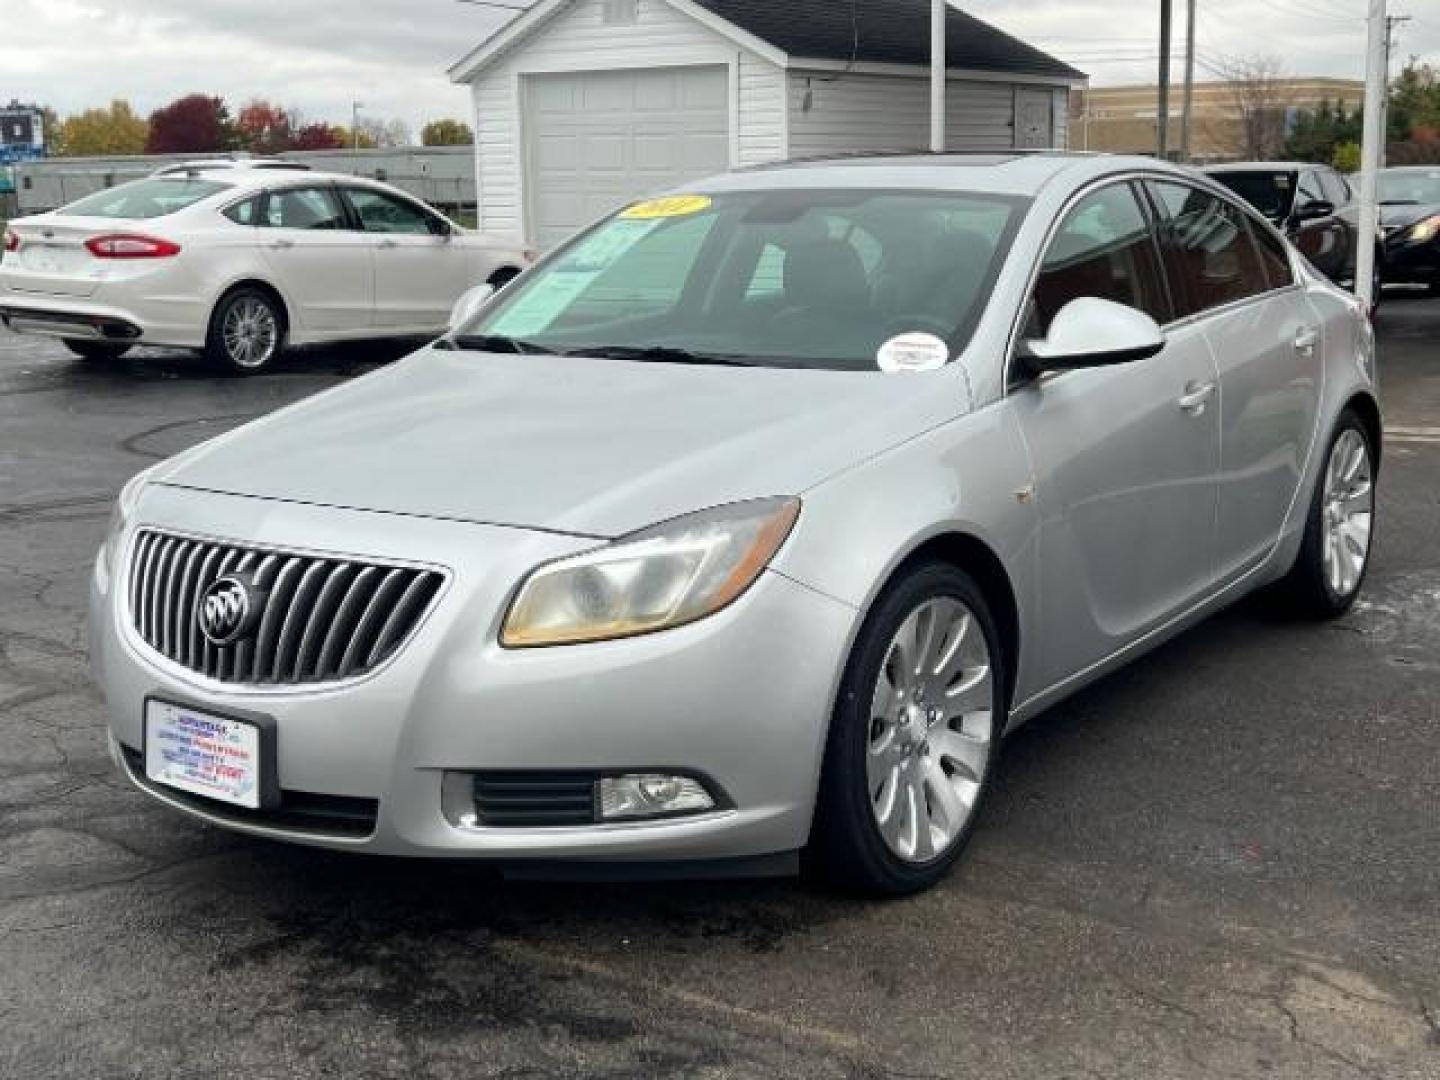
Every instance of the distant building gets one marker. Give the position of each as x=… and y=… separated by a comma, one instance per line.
x=1124, y=119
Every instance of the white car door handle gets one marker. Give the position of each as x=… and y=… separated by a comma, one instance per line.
x=282, y=245
x=1196, y=396
x=1305, y=340
x=388, y=244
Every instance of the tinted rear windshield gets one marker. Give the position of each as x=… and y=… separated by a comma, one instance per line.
x=1269, y=192
x=152, y=197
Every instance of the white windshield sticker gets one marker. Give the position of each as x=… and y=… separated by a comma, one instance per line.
x=547, y=298
x=917, y=351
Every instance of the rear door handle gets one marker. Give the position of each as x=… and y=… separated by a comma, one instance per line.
x=1305, y=340
x=282, y=245
x=388, y=244
x=1196, y=396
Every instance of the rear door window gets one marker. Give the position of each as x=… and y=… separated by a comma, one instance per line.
x=1104, y=249
x=303, y=208
x=1209, y=254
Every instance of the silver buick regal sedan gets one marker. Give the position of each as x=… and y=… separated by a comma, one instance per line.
x=735, y=535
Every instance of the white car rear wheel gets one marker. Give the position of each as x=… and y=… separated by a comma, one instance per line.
x=247, y=332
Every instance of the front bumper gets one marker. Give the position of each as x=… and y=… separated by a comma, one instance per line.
x=741, y=698
x=1412, y=263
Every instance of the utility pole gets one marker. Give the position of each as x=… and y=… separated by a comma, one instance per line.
x=1391, y=21
x=1371, y=146
x=937, y=76
x=355, y=125
x=1162, y=129
x=1189, y=99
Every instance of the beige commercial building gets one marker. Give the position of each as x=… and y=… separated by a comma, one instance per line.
x=1124, y=119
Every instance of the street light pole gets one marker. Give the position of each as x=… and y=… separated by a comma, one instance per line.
x=1370, y=149
x=355, y=125
x=1162, y=130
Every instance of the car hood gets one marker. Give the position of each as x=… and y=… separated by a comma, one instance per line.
x=1400, y=216
x=576, y=445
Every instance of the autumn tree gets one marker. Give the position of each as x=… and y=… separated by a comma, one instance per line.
x=387, y=133
x=264, y=128
x=319, y=136
x=446, y=133
x=365, y=140
x=113, y=130
x=193, y=124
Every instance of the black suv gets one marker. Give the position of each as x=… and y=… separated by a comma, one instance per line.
x=1312, y=204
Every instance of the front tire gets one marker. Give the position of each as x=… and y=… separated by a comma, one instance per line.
x=914, y=738
x=96, y=351
x=246, y=333
x=1335, y=553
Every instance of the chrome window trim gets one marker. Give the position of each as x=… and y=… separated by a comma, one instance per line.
x=1206, y=185
x=142, y=649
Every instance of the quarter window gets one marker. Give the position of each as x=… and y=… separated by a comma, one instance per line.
x=1209, y=254
x=245, y=212
x=303, y=208
x=1103, y=249
x=382, y=213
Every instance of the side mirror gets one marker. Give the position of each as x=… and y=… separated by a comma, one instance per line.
x=1314, y=208
x=1091, y=332
x=470, y=302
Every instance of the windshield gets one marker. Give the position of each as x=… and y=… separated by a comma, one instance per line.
x=153, y=197
x=1269, y=192
x=1420, y=186
x=775, y=278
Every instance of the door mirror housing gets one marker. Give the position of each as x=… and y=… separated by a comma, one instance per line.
x=470, y=302
x=1091, y=332
x=1312, y=209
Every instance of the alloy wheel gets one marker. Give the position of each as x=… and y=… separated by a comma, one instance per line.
x=251, y=332
x=1347, y=510
x=931, y=729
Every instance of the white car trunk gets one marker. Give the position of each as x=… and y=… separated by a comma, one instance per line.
x=53, y=259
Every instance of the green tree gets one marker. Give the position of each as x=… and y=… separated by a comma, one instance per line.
x=1317, y=132
x=1414, y=101
x=1346, y=158
x=446, y=133
x=113, y=130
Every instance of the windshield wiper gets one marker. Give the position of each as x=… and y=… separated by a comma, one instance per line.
x=662, y=354
x=498, y=343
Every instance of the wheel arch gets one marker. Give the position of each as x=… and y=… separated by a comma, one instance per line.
x=1364, y=405
x=503, y=274
x=261, y=285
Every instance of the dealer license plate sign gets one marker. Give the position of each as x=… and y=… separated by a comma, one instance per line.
x=214, y=756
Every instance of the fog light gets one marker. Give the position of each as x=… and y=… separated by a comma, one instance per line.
x=637, y=795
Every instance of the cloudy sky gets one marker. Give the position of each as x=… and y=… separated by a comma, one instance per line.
x=320, y=55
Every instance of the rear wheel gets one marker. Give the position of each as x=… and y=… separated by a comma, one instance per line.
x=247, y=332
x=914, y=738
x=1335, y=553
x=96, y=350
x=502, y=277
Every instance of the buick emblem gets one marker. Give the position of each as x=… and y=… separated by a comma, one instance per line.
x=228, y=610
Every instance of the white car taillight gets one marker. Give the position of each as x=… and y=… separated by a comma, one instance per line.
x=12, y=240
x=130, y=246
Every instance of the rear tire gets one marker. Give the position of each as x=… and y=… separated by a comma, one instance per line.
x=502, y=277
x=96, y=351
x=914, y=738
x=1339, y=531
x=246, y=333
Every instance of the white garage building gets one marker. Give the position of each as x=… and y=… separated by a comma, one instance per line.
x=582, y=105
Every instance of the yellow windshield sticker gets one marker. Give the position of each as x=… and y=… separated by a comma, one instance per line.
x=668, y=207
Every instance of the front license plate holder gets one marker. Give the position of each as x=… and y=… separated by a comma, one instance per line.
x=226, y=756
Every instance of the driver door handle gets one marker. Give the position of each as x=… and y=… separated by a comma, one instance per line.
x=1196, y=396
x=1305, y=340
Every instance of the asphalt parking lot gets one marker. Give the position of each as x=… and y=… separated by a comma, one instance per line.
x=1221, y=862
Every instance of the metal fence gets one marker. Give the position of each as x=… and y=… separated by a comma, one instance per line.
x=442, y=176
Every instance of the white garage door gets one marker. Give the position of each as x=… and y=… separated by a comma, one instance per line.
x=597, y=139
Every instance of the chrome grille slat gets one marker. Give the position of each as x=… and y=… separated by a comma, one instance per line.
x=320, y=619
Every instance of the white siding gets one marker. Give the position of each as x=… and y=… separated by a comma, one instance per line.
x=578, y=40
x=1062, y=119
x=892, y=112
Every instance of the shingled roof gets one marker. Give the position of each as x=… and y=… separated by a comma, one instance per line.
x=884, y=31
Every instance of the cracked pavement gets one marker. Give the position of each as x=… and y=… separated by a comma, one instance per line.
x=1223, y=861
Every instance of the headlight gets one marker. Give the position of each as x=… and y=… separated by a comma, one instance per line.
x=665, y=576
x=120, y=518
x=1425, y=230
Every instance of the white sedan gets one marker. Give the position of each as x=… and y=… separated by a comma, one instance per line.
x=240, y=263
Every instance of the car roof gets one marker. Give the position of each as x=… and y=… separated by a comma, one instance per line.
x=1007, y=173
